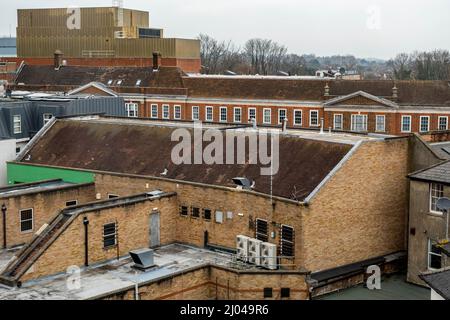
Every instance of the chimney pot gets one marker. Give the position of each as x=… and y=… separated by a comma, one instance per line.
x=156, y=60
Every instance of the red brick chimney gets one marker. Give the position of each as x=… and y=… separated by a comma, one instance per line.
x=156, y=60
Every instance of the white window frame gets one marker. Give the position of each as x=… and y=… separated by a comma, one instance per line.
x=236, y=114
x=194, y=112
x=165, y=111
x=209, y=111
x=221, y=119
x=431, y=253
x=428, y=123
x=311, y=124
x=177, y=112
x=249, y=115
x=335, y=116
x=132, y=108
x=446, y=123
x=21, y=220
x=279, y=115
x=47, y=117
x=377, y=123
x=354, y=123
x=436, y=192
x=269, y=115
x=296, y=111
x=17, y=124
x=402, y=128
x=154, y=108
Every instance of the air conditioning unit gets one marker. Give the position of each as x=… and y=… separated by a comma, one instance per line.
x=254, y=251
x=242, y=247
x=269, y=256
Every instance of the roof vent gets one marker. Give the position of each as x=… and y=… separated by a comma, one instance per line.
x=244, y=183
x=143, y=259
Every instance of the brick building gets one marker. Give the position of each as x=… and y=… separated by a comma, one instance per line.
x=168, y=93
x=319, y=203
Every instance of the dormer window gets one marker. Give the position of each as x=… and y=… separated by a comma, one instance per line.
x=138, y=83
x=119, y=82
x=110, y=82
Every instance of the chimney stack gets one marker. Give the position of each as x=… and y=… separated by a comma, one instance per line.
x=327, y=90
x=58, y=59
x=395, y=92
x=156, y=60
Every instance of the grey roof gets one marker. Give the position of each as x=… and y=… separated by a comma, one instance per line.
x=37, y=187
x=442, y=149
x=437, y=173
x=439, y=282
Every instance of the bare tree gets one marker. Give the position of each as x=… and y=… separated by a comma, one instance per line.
x=264, y=56
x=211, y=52
x=400, y=67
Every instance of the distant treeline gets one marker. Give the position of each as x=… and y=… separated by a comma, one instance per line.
x=267, y=57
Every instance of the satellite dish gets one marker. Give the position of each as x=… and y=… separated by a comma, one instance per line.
x=443, y=204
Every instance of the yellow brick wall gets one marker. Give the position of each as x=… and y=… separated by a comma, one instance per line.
x=362, y=211
x=45, y=205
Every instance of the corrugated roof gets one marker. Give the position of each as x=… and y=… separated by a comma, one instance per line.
x=146, y=150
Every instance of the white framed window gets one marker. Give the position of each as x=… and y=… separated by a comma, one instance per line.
x=209, y=114
x=223, y=114
x=109, y=235
x=298, y=117
x=436, y=192
x=267, y=119
x=251, y=114
x=406, y=124
x=47, y=117
x=313, y=118
x=282, y=114
x=166, y=111
x=424, y=124
x=338, y=122
x=132, y=109
x=359, y=123
x=154, y=111
x=434, y=256
x=380, y=123
x=237, y=115
x=177, y=112
x=195, y=113
x=26, y=220
x=17, y=124
x=443, y=123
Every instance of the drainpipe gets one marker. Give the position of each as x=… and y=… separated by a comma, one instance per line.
x=4, y=224
x=86, y=241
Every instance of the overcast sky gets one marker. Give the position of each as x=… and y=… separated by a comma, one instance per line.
x=365, y=28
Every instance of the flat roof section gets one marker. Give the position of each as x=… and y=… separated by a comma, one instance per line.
x=29, y=188
x=119, y=275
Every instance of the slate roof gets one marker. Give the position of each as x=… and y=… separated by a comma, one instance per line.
x=439, y=282
x=145, y=149
x=438, y=173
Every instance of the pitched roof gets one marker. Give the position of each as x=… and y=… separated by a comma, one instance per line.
x=375, y=99
x=129, y=148
x=439, y=282
x=80, y=75
x=438, y=173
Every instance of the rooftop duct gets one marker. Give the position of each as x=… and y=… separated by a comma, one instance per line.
x=143, y=259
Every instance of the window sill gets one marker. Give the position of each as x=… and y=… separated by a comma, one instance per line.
x=436, y=214
x=26, y=232
x=110, y=248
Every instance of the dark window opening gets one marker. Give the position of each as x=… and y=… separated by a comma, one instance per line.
x=207, y=214
x=184, y=211
x=195, y=212
x=112, y=196
x=109, y=235
x=262, y=230
x=285, y=292
x=268, y=293
x=71, y=203
x=287, y=242
x=26, y=220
